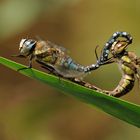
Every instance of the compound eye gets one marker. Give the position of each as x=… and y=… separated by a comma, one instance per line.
x=21, y=43
x=26, y=46
x=30, y=43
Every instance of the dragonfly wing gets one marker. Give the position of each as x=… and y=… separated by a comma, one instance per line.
x=53, y=45
x=60, y=70
x=46, y=66
x=68, y=73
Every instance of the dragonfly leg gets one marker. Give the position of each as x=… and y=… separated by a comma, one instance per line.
x=30, y=63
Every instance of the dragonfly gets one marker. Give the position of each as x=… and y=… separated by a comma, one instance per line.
x=52, y=57
x=128, y=62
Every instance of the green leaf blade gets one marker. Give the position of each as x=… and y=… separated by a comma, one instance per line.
x=119, y=108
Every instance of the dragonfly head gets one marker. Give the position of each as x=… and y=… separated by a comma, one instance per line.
x=27, y=46
x=118, y=47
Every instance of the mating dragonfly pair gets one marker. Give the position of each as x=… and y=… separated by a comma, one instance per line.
x=55, y=59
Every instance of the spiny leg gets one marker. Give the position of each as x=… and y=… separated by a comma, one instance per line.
x=108, y=61
x=30, y=64
x=18, y=55
x=51, y=71
x=22, y=56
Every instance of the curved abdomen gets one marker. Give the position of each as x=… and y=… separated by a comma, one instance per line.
x=125, y=85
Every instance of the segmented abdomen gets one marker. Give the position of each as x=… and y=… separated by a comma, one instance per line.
x=125, y=85
x=109, y=43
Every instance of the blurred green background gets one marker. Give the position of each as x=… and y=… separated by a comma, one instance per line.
x=30, y=110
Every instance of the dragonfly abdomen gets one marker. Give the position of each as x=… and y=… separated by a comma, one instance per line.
x=125, y=85
x=110, y=42
x=70, y=64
